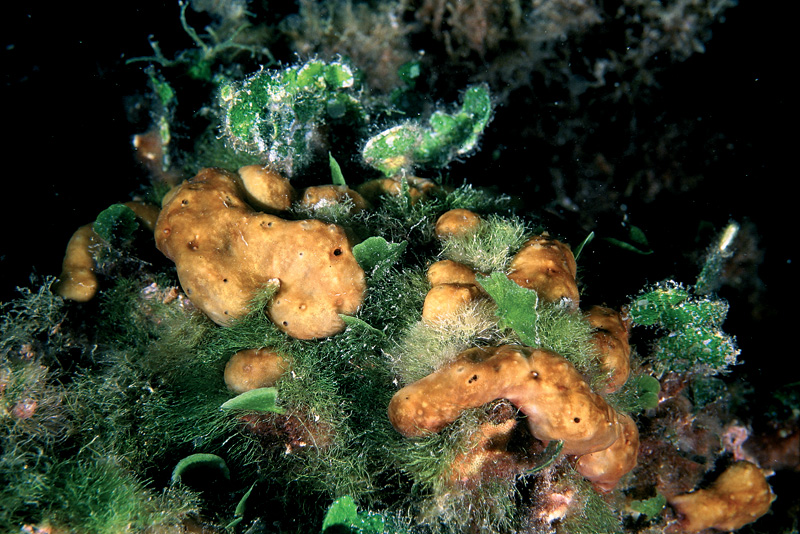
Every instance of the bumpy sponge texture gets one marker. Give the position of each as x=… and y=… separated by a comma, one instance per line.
x=544, y=386
x=225, y=252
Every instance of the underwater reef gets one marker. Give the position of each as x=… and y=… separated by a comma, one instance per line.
x=408, y=266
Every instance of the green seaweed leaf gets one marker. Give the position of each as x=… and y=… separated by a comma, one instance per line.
x=355, y=322
x=516, y=305
x=637, y=242
x=116, y=224
x=583, y=244
x=336, y=171
x=255, y=400
x=653, y=307
x=376, y=255
x=238, y=513
x=647, y=388
x=199, y=460
x=650, y=507
x=343, y=513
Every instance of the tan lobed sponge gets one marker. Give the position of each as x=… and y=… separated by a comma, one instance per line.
x=605, y=468
x=453, y=285
x=418, y=188
x=544, y=386
x=265, y=189
x=548, y=267
x=78, y=280
x=322, y=196
x=739, y=496
x=611, y=340
x=225, y=252
x=255, y=368
x=457, y=222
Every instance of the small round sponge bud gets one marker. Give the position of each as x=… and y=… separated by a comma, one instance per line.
x=254, y=368
x=548, y=267
x=457, y=222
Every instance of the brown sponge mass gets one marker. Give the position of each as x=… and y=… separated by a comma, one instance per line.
x=558, y=403
x=226, y=252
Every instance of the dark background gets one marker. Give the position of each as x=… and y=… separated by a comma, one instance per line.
x=67, y=149
x=67, y=155
x=67, y=152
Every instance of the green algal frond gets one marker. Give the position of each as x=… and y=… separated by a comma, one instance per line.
x=209, y=48
x=280, y=114
x=143, y=419
x=443, y=504
x=672, y=307
x=706, y=350
x=640, y=392
x=715, y=260
x=479, y=200
x=651, y=507
x=95, y=494
x=155, y=325
x=34, y=317
x=567, y=334
x=253, y=330
x=436, y=143
x=515, y=306
x=199, y=461
x=34, y=424
x=402, y=218
x=25, y=483
x=635, y=241
x=337, y=178
x=542, y=325
x=341, y=212
x=490, y=508
x=650, y=307
x=331, y=399
x=395, y=301
x=491, y=247
x=376, y=255
x=116, y=224
x=426, y=458
x=344, y=515
x=693, y=337
x=32, y=414
x=255, y=400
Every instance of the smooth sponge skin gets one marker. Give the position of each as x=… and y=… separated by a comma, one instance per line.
x=457, y=222
x=739, y=496
x=605, y=468
x=254, y=368
x=544, y=386
x=265, y=189
x=611, y=340
x=78, y=280
x=225, y=252
x=548, y=267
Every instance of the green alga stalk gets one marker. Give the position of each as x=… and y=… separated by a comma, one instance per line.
x=435, y=143
x=279, y=114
